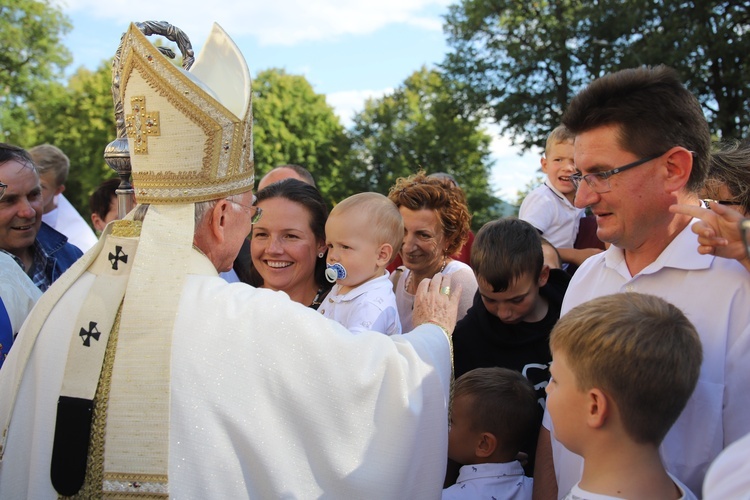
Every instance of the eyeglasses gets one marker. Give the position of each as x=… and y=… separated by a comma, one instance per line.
x=723, y=202
x=255, y=212
x=599, y=181
x=3, y=186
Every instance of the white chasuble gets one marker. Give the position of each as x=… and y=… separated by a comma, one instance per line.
x=268, y=399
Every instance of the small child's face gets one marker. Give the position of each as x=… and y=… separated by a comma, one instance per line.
x=520, y=302
x=462, y=440
x=566, y=403
x=558, y=164
x=351, y=243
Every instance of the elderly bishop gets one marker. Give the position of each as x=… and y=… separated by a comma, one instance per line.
x=141, y=373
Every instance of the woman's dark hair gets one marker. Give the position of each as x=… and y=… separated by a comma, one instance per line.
x=309, y=197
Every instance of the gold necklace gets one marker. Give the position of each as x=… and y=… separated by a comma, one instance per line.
x=409, y=278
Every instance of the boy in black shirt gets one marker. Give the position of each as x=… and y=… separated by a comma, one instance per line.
x=517, y=304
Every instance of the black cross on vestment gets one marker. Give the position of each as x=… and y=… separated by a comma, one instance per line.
x=119, y=255
x=92, y=332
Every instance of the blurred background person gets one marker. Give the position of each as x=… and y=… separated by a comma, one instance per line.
x=728, y=181
x=54, y=166
x=282, y=172
x=103, y=204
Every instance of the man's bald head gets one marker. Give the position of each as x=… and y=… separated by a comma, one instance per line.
x=286, y=172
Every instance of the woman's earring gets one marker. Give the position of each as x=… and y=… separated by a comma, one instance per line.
x=320, y=255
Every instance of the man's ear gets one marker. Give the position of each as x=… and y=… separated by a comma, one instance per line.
x=543, y=162
x=679, y=165
x=598, y=408
x=486, y=445
x=97, y=222
x=543, y=276
x=59, y=189
x=384, y=254
x=217, y=220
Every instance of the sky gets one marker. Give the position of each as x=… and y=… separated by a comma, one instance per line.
x=349, y=50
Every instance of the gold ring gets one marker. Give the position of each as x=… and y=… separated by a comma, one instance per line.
x=446, y=290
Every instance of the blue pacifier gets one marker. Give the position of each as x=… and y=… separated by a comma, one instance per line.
x=335, y=272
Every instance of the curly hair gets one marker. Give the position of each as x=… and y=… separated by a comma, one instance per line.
x=421, y=192
x=730, y=167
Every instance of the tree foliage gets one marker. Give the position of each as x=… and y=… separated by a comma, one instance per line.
x=79, y=119
x=520, y=63
x=421, y=127
x=293, y=124
x=31, y=56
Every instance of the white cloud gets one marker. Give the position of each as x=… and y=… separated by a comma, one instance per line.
x=282, y=22
x=427, y=23
x=347, y=103
x=512, y=169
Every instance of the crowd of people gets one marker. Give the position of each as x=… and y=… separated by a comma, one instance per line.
x=223, y=344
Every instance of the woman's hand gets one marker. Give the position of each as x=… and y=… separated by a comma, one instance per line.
x=436, y=302
x=718, y=231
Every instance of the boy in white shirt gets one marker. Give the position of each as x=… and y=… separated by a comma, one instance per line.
x=364, y=233
x=623, y=369
x=549, y=207
x=494, y=411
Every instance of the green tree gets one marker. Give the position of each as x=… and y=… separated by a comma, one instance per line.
x=293, y=124
x=32, y=56
x=707, y=42
x=420, y=126
x=79, y=119
x=520, y=63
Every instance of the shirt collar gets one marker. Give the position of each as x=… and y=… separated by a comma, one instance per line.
x=475, y=471
x=559, y=195
x=361, y=289
x=681, y=253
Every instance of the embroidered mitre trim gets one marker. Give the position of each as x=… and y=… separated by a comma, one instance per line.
x=186, y=146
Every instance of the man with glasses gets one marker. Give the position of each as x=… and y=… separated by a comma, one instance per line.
x=642, y=145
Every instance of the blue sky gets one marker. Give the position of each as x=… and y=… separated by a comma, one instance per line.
x=348, y=50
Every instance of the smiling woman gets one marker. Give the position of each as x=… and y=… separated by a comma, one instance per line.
x=436, y=225
x=288, y=243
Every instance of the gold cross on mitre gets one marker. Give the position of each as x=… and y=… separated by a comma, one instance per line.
x=141, y=123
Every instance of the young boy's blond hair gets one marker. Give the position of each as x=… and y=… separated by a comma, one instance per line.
x=49, y=158
x=559, y=135
x=383, y=216
x=638, y=349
